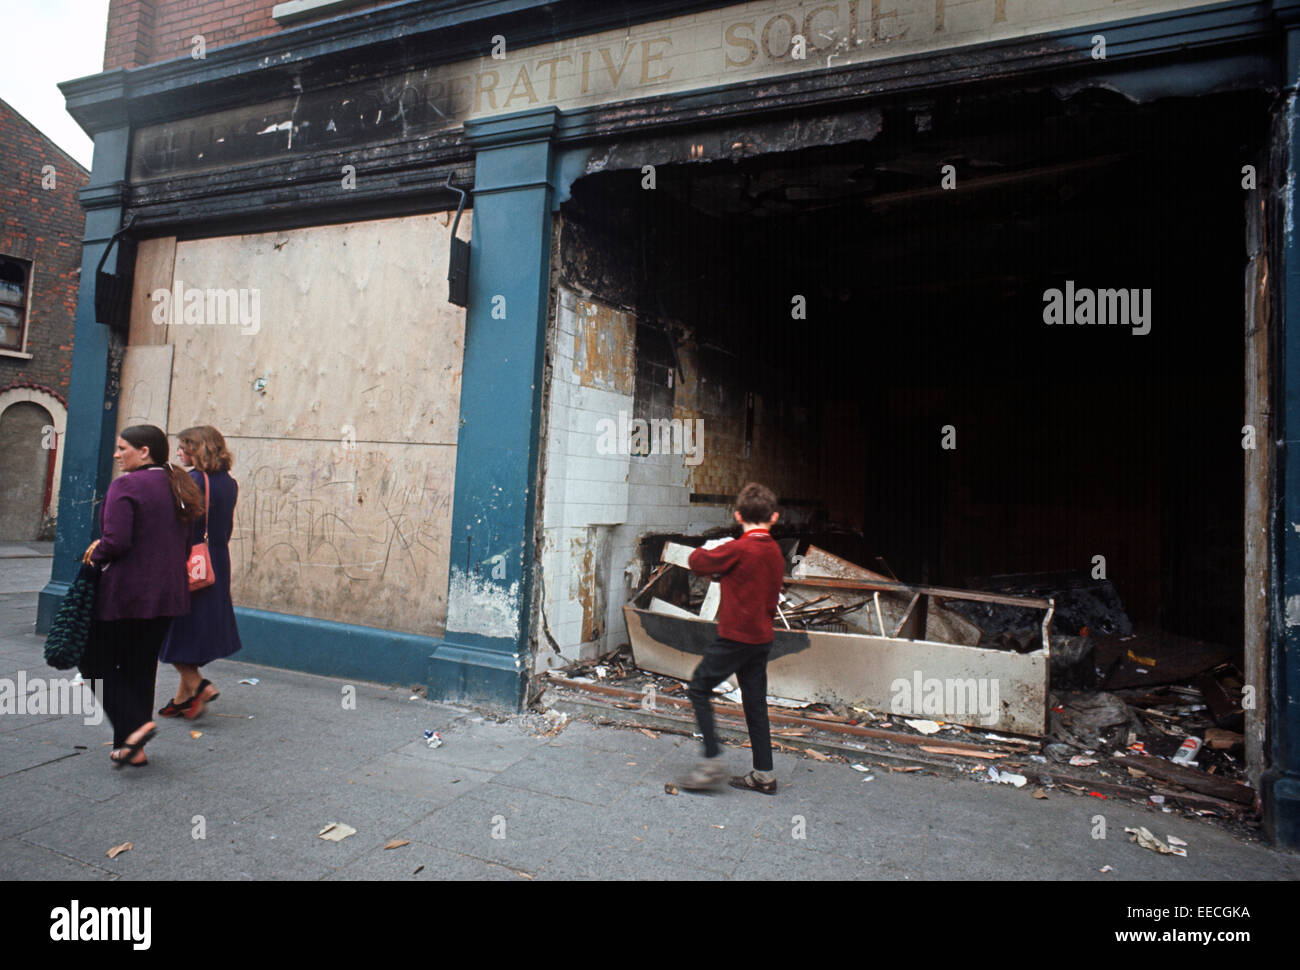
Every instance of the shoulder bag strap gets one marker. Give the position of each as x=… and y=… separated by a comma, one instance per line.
x=207, y=501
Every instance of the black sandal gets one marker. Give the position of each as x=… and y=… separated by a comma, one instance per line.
x=750, y=783
x=131, y=750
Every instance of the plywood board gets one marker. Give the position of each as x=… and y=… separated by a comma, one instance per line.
x=146, y=386
x=347, y=327
x=154, y=264
x=354, y=535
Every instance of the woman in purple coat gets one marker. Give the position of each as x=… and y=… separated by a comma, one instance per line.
x=142, y=549
x=208, y=632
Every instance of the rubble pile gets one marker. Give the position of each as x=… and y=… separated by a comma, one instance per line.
x=1171, y=746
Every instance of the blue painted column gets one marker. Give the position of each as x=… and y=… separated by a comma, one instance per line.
x=483, y=657
x=96, y=368
x=1280, y=783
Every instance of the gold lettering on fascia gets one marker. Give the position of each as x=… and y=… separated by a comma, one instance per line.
x=760, y=38
x=764, y=38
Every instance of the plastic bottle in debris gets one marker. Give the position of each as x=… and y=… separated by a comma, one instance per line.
x=1187, y=752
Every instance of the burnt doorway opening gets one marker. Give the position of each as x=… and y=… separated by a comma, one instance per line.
x=863, y=329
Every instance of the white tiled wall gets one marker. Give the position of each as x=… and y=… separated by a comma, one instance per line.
x=606, y=500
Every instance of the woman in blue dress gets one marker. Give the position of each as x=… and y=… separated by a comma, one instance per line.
x=208, y=632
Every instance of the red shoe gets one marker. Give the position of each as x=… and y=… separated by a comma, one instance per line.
x=172, y=709
x=194, y=707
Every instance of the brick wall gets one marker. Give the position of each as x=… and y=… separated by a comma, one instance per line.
x=44, y=226
x=148, y=31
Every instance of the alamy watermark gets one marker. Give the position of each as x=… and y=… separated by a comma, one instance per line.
x=952, y=698
x=75, y=923
x=213, y=307
x=656, y=436
x=1085, y=307
x=53, y=695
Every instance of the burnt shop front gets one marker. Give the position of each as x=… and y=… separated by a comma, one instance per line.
x=821, y=233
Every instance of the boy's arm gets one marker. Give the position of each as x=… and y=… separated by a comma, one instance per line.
x=709, y=562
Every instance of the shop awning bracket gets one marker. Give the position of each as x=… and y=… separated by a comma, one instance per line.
x=113, y=290
x=458, y=263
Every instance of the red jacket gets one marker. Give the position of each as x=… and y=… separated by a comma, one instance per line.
x=752, y=570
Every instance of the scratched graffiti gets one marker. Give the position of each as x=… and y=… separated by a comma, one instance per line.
x=353, y=535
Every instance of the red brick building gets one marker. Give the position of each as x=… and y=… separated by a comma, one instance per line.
x=148, y=31
x=40, y=260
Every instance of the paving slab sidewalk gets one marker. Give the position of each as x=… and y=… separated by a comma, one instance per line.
x=273, y=764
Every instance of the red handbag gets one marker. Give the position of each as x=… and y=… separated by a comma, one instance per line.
x=199, y=566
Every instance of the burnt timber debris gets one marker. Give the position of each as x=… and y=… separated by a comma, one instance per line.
x=858, y=638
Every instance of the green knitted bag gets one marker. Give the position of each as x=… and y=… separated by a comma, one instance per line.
x=70, y=631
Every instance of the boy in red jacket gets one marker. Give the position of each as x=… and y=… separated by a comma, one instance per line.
x=751, y=570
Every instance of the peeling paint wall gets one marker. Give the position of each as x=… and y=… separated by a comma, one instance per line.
x=480, y=605
x=340, y=403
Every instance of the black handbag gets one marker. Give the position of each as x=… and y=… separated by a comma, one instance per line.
x=70, y=631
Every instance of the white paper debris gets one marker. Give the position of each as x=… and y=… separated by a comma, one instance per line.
x=1006, y=777
x=1081, y=761
x=925, y=727
x=1143, y=837
x=250, y=681
x=336, y=832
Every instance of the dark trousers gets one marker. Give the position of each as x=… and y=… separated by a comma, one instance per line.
x=748, y=662
x=123, y=654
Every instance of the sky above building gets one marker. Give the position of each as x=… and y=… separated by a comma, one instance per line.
x=48, y=41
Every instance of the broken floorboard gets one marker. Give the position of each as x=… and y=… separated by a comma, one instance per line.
x=1197, y=780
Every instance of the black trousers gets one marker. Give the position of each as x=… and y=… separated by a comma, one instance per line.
x=748, y=662
x=123, y=654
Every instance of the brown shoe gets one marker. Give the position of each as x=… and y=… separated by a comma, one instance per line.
x=706, y=776
x=750, y=783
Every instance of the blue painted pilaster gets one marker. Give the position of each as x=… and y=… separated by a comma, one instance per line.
x=483, y=657
x=1280, y=783
x=93, y=391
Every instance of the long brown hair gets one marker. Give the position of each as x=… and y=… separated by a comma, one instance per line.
x=207, y=447
x=186, y=495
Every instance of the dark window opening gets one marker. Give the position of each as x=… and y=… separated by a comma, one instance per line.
x=13, y=302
